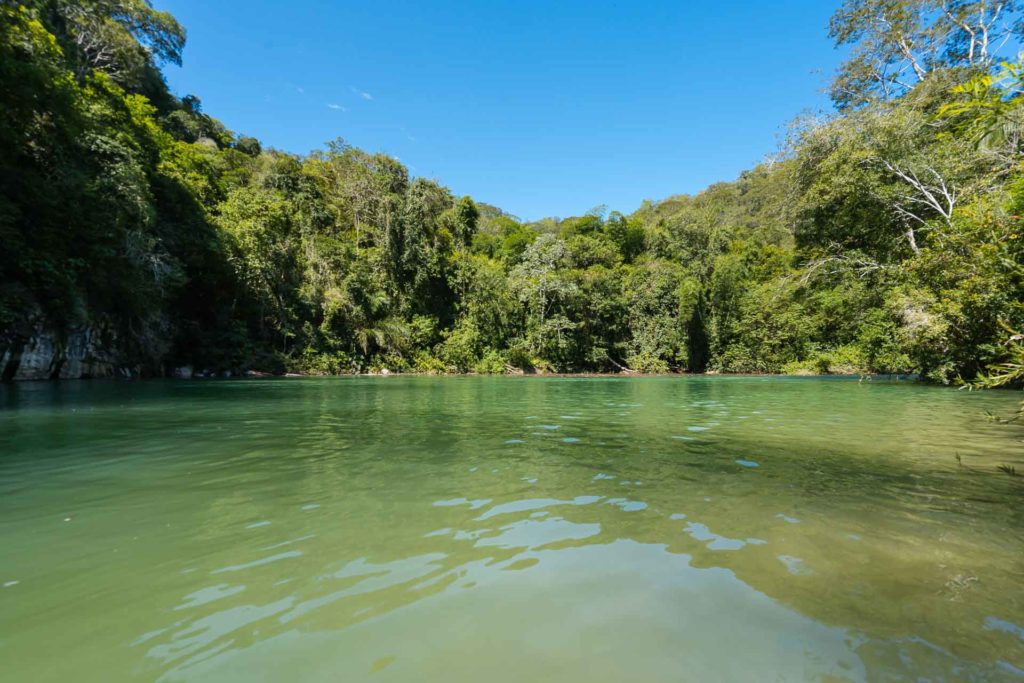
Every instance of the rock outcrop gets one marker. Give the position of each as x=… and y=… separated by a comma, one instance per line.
x=183, y=372
x=81, y=353
x=36, y=350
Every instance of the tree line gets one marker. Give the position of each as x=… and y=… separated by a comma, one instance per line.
x=882, y=238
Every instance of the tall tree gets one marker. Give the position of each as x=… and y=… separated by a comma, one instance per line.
x=119, y=37
x=898, y=44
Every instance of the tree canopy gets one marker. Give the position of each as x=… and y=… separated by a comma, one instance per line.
x=883, y=239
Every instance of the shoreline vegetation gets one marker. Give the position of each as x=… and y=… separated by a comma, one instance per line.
x=186, y=373
x=141, y=236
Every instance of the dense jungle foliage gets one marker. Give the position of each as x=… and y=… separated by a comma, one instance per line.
x=884, y=238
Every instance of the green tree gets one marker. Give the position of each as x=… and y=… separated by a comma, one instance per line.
x=542, y=288
x=898, y=44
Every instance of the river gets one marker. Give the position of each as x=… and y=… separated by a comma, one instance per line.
x=509, y=529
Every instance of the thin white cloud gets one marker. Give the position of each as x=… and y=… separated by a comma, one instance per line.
x=362, y=93
x=302, y=91
x=337, y=107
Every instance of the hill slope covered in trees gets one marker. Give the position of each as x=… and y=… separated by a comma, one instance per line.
x=138, y=233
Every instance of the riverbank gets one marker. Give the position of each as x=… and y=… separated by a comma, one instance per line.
x=185, y=375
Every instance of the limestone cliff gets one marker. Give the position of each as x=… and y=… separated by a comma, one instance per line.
x=36, y=350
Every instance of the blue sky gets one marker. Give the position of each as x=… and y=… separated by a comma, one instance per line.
x=540, y=108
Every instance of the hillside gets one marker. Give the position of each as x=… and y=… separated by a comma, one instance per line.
x=140, y=236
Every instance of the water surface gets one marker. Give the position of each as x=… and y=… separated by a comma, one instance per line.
x=509, y=529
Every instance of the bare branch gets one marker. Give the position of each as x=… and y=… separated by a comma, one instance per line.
x=937, y=195
x=835, y=264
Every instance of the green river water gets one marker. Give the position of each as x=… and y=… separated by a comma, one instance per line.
x=509, y=529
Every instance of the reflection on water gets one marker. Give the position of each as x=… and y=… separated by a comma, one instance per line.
x=415, y=529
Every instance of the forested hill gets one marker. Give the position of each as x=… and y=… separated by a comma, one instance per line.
x=139, y=235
